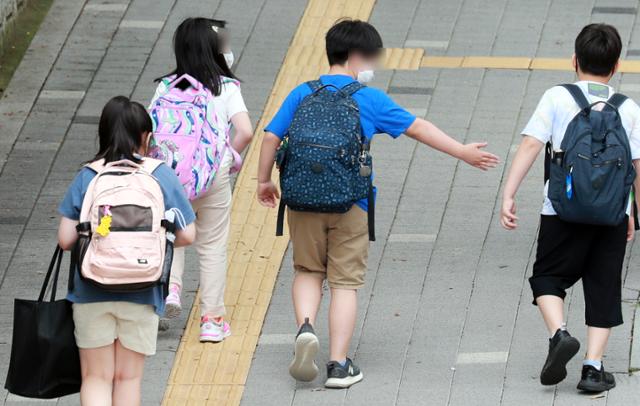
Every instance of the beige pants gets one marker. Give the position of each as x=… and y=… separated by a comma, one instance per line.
x=213, y=214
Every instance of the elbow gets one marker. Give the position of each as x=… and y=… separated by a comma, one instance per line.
x=186, y=236
x=65, y=243
x=246, y=134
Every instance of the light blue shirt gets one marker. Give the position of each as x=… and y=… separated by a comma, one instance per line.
x=174, y=197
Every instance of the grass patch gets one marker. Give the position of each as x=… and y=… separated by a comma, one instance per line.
x=17, y=37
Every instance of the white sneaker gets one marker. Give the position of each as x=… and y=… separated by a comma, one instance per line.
x=213, y=332
x=172, y=304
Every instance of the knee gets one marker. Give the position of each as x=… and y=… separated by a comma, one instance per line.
x=104, y=374
x=127, y=375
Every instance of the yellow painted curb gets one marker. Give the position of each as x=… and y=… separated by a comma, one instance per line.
x=215, y=374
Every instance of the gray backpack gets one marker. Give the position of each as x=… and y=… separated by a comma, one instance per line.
x=591, y=176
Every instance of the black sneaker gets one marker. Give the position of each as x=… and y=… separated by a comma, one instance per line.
x=562, y=347
x=596, y=381
x=303, y=367
x=341, y=377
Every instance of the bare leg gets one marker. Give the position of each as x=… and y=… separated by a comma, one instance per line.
x=597, y=339
x=342, y=321
x=97, y=366
x=129, y=367
x=552, y=309
x=307, y=294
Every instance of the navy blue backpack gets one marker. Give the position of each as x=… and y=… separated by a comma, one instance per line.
x=324, y=160
x=591, y=177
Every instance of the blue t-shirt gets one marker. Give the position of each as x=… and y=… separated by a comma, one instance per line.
x=174, y=197
x=378, y=112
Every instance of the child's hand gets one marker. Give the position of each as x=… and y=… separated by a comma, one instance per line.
x=631, y=229
x=268, y=194
x=475, y=156
x=508, y=217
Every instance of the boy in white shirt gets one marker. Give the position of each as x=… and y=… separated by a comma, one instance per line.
x=570, y=251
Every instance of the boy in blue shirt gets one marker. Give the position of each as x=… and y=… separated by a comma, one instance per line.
x=334, y=246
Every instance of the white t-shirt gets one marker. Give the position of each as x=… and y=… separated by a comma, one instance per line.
x=557, y=108
x=221, y=108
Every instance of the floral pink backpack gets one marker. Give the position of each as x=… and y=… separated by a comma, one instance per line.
x=185, y=139
x=122, y=244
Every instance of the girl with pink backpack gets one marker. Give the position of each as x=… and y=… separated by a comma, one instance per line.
x=116, y=215
x=193, y=111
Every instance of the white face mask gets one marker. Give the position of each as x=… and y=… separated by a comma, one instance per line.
x=365, y=76
x=228, y=57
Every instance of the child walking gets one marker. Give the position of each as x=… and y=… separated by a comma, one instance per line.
x=593, y=137
x=323, y=130
x=203, y=62
x=115, y=331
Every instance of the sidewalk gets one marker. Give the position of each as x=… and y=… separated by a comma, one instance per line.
x=446, y=315
x=85, y=53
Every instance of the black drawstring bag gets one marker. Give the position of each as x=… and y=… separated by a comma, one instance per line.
x=45, y=362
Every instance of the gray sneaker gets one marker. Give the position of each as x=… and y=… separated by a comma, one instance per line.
x=342, y=377
x=303, y=367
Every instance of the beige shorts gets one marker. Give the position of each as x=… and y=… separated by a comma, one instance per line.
x=331, y=246
x=101, y=323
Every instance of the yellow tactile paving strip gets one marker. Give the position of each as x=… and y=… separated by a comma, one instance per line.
x=215, y=374
x=500, y=62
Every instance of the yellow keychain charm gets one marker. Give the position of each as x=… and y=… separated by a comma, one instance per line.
x=105, y=222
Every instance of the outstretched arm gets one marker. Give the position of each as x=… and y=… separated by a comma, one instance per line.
x=427, y=133
x=525, y=157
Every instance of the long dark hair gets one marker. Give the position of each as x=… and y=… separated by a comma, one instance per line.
x=122, y=124
x=198, y=49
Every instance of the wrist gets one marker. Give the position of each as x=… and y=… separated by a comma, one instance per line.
x=460, y=151
x=508, y=196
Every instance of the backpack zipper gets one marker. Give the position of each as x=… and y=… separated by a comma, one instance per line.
x=609, y=162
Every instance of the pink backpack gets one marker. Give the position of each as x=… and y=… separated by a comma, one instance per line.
x=122, y=229
x=184, y=138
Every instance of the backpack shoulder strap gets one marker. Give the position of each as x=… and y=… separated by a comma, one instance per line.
x=96, y=166
x=577, y=95
x=151, y=164
x=616, y=100
x=315, y=85
x=352, y=87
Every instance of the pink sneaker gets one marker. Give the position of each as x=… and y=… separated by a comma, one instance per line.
x=213, y=331
x=172, y=305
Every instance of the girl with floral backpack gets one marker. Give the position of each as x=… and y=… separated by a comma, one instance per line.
x=193, y=111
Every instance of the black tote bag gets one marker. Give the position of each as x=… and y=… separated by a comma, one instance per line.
x=45, y=362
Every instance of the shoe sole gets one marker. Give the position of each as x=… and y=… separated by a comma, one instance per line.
x=343, y=383
x=171, y=311
x=303, y=367
x=595, y=388
x=205, y=339
x=163, y=324
x=556, y=371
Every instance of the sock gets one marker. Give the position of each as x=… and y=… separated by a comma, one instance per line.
x=563, y=327
x=596, y=364
x=342, y=363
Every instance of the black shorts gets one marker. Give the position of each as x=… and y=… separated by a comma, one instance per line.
x=568, y=252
